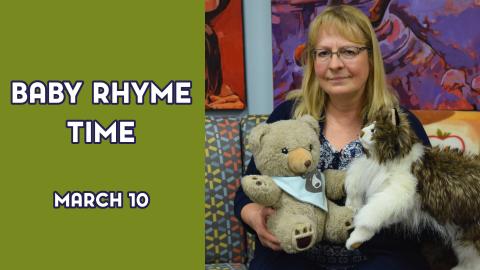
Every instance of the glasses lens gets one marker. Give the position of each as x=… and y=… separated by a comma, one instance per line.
x=322, y=55
x=349, y=52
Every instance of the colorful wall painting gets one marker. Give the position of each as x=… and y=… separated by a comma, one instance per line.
x=224, y=58
x=431, y=48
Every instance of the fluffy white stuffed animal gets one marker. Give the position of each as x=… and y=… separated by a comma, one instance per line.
x=401, y=181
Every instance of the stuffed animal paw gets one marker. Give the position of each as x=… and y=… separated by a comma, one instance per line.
x=261, y=189
x=359, y=236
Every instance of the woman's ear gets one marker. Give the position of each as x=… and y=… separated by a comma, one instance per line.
x=311, y=122
x=255, y=137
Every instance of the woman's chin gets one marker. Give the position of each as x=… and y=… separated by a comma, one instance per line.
x=340, y=91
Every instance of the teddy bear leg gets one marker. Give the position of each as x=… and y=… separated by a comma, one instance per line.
x=295, y=232
x=338, y=224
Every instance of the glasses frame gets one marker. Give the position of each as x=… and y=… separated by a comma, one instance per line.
x=360, y=49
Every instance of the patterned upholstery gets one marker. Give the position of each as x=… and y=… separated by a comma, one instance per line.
x=226, y=158
x=247, y=123
x=225, y=266
x=224, y=234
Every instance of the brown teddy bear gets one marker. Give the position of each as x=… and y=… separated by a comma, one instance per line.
x=287, y=153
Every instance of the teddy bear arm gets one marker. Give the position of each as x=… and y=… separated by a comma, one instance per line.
x=335, y=184
x=261, y=189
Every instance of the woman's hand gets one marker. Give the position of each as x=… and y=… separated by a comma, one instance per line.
x=255, y=215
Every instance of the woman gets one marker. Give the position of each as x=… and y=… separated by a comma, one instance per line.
x=343, y=86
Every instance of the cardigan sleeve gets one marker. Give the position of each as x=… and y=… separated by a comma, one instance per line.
x=417, y=127
x=282, y=112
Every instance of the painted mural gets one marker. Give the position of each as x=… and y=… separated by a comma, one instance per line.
x=224, y=62
x=431, y=48
x=455, y=129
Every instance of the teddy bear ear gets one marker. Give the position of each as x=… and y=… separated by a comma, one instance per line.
x=256, y=135
x=311, y=121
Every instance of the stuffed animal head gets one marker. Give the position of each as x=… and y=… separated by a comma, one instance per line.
x=388, y=137
x=287, y=147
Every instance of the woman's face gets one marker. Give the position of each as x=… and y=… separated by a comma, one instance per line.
x=340, y=76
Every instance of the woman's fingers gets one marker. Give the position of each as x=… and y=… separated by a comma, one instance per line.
x=266, y=237
x=256, y=216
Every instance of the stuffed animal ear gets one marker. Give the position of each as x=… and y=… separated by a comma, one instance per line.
x=312, y=122
x=392, y=114
x=256, y=135
x=395, y=117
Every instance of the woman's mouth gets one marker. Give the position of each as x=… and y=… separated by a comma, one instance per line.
x=339, y=78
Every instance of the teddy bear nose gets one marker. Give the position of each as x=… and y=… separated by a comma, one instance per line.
x=308, y=163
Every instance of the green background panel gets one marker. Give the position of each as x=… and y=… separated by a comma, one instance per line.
x=101, y=40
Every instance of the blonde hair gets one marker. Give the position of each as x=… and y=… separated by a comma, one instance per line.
x=353, y=25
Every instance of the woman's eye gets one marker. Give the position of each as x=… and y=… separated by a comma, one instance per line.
x=349, y=52
x=285, y=150
x=323, y=54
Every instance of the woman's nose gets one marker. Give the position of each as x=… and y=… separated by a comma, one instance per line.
x=335, y=62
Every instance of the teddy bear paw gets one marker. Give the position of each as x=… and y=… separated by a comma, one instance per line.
x=261, y=189
x=261, y=183
x=303, y=236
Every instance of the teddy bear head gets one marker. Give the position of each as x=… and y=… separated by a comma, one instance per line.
x=286, y=148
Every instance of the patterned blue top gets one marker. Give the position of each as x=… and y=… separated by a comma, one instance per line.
x=327, y=255
x=331, y=159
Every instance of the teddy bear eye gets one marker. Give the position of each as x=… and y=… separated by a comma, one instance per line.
x=310, y=147
x=372, y=130
x=285, y=150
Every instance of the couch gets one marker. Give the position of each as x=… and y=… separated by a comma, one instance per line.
x=227, y=245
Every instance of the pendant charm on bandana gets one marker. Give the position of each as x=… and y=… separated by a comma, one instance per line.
x=310, y=189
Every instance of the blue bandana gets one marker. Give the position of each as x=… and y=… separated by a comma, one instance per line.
x=310, y=189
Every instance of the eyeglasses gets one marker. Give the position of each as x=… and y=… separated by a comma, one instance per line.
x=344, y=53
